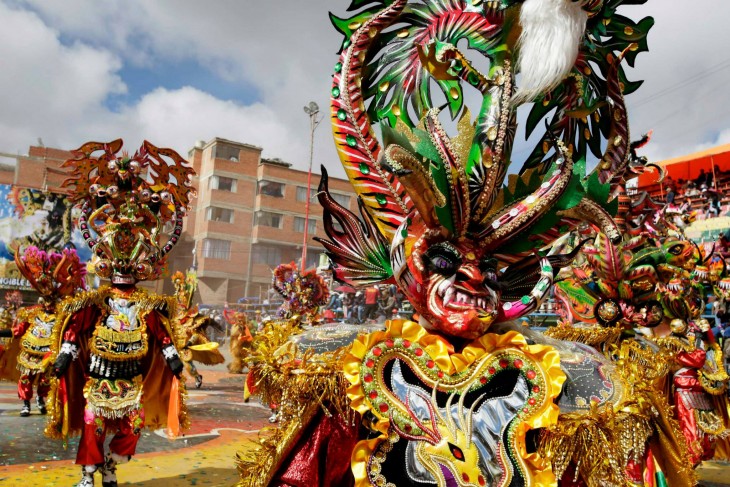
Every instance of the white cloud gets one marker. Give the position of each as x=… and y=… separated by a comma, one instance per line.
x=286, y=50
x=180, y=117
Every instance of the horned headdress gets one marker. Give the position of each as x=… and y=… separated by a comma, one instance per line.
x=437, y=216
x=126, y=202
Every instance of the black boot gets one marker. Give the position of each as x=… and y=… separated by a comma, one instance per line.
x=25, y=411
x=41, y=403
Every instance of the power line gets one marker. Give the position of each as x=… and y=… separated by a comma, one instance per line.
x=681, y=84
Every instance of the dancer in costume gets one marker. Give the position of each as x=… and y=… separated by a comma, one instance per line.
x=304, y=293
x=13, y=300
x=194, y=324
x=464, y=396
x=53, y=275
x=116, y=349
x=240, y=338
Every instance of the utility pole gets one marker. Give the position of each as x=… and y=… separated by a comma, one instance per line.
x=313, y=111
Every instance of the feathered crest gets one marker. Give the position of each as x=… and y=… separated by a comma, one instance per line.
x=52, y=274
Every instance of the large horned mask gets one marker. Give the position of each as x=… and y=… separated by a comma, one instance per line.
x=438, y=219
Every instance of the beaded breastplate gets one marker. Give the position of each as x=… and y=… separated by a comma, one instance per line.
x=119, y=341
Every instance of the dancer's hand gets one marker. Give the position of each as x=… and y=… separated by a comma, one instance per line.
x=173, y=359
x=69, y=351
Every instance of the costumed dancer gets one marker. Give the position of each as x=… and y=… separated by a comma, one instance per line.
x=240, y=338
x=701, y=424
x=53, y=275
x=197, y=346
x=465, y=396
x=13, y=301
x=116, y=347
x=304, y=294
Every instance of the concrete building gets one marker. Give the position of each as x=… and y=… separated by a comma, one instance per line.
x=248, y=218
x=249, y=215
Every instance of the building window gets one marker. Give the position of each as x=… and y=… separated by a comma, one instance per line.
x=269, y=255
x=227, y=152
x=268, y=219
x=214, y=248
x=216, y=214
x=299, y=225
x=223, y=183
x=342, y=199
x=271, y=188
x=302, y=193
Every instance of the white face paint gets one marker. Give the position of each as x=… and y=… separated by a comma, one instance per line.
x=552, y=31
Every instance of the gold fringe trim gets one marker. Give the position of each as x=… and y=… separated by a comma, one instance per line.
x=145, y=300
x=258, y=465
x=300, y=384
x=600, y=444
x=594, y=336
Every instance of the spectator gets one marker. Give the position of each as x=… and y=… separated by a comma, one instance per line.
x=347, y=301
x=371, y=302
x=358, y=308
x=681, y=187
x=701, y=179
x=708, y=180
x=386, y=304
x=723, y=246
x=334, y=304
x=713, y=206
x=670, y=196
x=692, y=189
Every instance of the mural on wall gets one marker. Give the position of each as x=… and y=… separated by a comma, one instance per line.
x=33, y=217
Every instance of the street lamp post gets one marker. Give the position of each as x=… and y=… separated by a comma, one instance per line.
x=312, y=110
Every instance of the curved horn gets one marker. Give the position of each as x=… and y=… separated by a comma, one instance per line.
x=419, y=185
x=512, y=220
x=616, y=158
x=590, y=211
x=357, y=146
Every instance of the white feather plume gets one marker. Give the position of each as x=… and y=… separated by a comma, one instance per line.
x=552, y=31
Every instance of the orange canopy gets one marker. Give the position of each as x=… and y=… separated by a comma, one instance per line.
x=689, y=166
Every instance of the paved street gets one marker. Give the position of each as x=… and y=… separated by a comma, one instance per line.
x=221, y=424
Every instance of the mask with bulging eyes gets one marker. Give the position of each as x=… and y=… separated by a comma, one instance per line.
x=450, y=286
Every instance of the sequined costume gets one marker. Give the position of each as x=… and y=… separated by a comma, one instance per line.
x=240, y=339
x=197, y=346
x=116, y=349
x=53, y=275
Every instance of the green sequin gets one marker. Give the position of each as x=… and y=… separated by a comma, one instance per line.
x=381, y=199
x=351, y=140
x=338, y=67
x=364, y=168
x=341, y=114
x=525, y=300
x=336, y=92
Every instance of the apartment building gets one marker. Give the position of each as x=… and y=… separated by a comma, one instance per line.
x=248, y=218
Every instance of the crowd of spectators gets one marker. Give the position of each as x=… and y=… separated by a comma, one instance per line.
x=703, y=189
x=374, y=303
